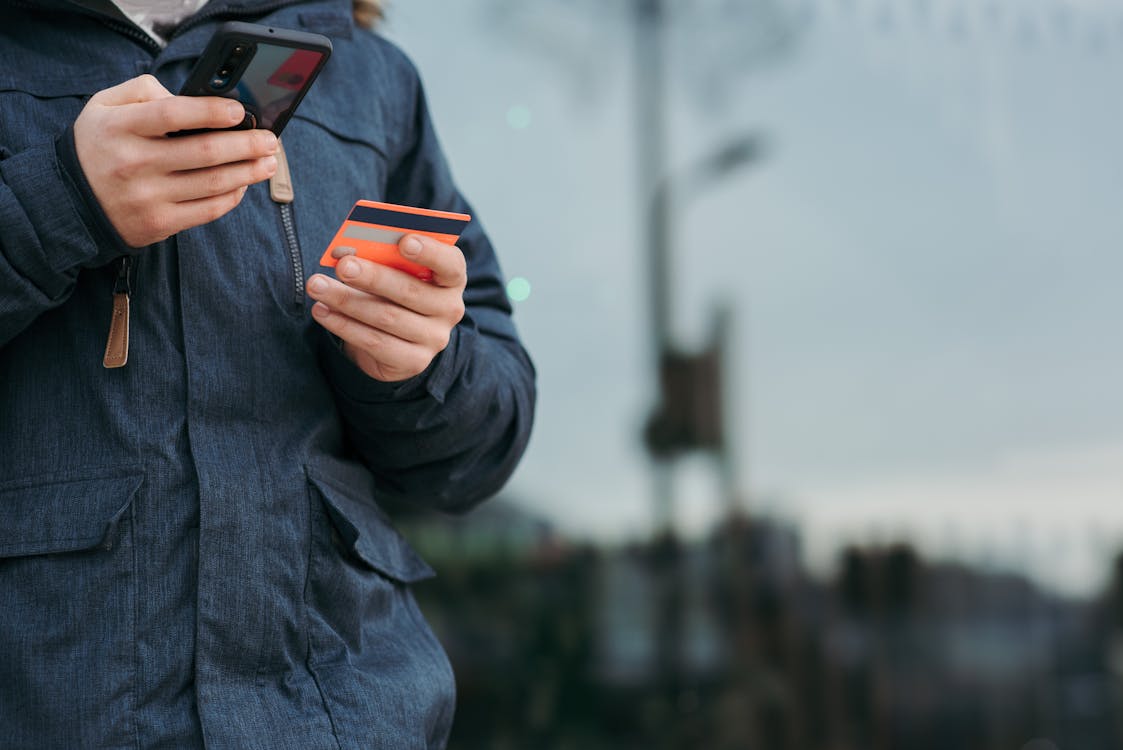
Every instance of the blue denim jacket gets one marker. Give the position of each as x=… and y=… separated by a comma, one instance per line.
x=192, y=548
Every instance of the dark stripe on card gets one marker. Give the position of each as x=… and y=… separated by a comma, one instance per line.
x=403, y=220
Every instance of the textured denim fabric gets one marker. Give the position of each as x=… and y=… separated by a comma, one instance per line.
x=192, y=549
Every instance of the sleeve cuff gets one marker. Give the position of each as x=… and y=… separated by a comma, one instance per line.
x=108, y=242
x=356, y=386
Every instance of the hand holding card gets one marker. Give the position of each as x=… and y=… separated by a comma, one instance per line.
x=372, y=231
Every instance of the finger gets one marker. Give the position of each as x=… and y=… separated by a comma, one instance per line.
x=398, y=286
x=392, y=354
x=143, y=88
x=377, y=312
x=194, y=213
x=159, y=117
x=205, y=183
x=446, y=261
x=212, y=149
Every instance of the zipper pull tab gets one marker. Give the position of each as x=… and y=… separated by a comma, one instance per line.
x=117, y=346
x=280, y=184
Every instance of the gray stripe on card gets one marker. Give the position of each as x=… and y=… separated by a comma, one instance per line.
x=371, y=234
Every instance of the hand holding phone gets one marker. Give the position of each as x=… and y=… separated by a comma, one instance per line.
x=268, y=70
x=150, y=186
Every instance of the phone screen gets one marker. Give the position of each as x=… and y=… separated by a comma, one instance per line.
x=268, y=70
x=273, y=79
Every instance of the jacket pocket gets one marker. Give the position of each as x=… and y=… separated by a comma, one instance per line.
x=67, y=611
x=35, y=109
x=362, y=530
x=380, y=669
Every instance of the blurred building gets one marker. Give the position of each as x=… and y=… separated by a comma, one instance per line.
x=728, y=642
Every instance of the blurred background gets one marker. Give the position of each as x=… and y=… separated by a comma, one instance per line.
x=823, y=299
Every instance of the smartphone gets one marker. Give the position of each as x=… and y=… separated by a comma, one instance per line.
x=268, y=70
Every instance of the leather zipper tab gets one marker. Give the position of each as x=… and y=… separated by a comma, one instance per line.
x=280, y=184
x=117, y=345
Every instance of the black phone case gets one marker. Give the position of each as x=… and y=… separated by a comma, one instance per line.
x=232, y=32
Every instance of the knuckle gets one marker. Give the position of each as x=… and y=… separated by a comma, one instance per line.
x=263, y=141
x=144, y=87
x=411, y=293
x=148, y=83
x=154, y=225
x=387, y=318
x=337, y=295
x=452, y=310
x=233, y=198
x=218, y=110
x=372, y=343
x=207, y=149
x=164, y=114
x=343, y=297
x=220, y=206
x=125, y=167
x=262, y=169
x=214, y=182
x=418, y=362
x=216, y=209
x=442, y=338
x=362, y=336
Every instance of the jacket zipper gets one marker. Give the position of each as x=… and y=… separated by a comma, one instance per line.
x=282, y=193
x=294, y=253
x=134, y=32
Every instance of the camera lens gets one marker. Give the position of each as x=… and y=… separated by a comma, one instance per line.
x=238, y=50
x=220, y=81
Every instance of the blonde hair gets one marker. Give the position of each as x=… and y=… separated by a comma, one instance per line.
x=367, y=12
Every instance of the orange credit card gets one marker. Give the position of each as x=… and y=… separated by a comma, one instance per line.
x=372, y=231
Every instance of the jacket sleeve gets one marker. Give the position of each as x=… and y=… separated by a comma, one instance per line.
x=51, y=227
x=451, y=436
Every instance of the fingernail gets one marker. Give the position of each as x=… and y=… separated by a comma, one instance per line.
x=317, y=284
x=271, y=164
x=411, y=247
x=236, y=110
x=320, y=310
x=348, y=267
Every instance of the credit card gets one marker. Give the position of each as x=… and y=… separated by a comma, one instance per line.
x=372, y=231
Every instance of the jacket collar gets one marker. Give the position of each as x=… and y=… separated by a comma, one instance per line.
x=215, y=8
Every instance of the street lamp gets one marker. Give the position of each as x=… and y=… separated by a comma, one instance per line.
x=689, y=412
x=702, y=174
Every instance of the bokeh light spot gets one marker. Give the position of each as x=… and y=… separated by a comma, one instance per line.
x=518, y=117
x=518, y=289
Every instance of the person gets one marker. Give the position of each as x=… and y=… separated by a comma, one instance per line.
x=194, y=546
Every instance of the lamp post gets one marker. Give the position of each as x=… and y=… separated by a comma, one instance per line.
x=689, y=413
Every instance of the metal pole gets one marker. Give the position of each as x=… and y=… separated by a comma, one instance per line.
x=651, y=142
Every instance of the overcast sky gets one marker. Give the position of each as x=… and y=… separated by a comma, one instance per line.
x=924, y=267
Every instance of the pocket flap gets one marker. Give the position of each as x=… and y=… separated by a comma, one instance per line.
x=49, y=86
x=366, y=530
x=44, y=515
